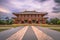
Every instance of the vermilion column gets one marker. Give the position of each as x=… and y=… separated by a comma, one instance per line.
x=44, y=21
x=38, y=22
x=20, y=22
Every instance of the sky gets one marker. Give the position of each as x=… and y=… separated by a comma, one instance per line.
x=50, y=6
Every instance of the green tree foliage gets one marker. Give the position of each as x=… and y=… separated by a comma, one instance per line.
x=7, y=21
x=54, y=20
x=58, y=22
x=2, y=22
x=10, y=21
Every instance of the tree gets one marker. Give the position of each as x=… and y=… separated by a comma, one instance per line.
x=7, y=21
x=58, y=22
x=54, y=20
x=10, y=21
x=2, y=22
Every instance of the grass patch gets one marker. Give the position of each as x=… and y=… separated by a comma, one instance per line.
x=6, y=27
x=3, y=29
x=9, y=25
x=53, y=27
x=47, y=25
x=56, y=29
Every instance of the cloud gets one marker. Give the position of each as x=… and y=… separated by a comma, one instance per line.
x=58, y=1
x=16, y=5
x=56, y=9
x=29, y=5
x=4, y=10
x=40, y=0
x=54, y=15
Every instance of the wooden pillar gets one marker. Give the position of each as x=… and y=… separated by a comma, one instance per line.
x=44, y=21
x=20, y=22
x=38, y=21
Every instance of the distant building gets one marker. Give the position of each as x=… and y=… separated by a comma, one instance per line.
x=30, y=17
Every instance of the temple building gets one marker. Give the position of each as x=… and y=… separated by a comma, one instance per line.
x=30, y=17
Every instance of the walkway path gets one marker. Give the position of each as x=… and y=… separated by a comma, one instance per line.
x=19, y=35
x=8, y=33
x=41, y=35
x=28, y=33
x=52, y=33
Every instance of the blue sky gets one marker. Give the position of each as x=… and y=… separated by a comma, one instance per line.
x=50, y=6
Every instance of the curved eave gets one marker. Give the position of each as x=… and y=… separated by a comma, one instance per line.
x=46, y=18
x=15, y=14
x=29, y=13
x=44, y=14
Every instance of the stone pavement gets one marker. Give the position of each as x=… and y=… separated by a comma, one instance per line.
x=19, y=35
x=52, y=33
x=29, y=33
x=5, y=34
x=41, y=35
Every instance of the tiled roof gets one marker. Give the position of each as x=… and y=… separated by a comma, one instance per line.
x=30, y=12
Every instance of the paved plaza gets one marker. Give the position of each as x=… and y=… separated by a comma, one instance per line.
x=29, y=33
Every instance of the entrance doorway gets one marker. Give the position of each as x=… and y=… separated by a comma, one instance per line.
x=26, y=21
x=29, y=22
x=33, y=21
x=22, y=21
x=36, y=21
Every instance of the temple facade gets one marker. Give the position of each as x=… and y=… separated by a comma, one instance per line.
x=30, y=17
